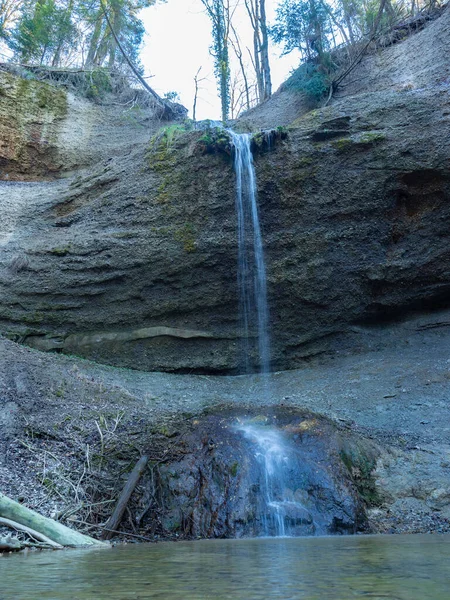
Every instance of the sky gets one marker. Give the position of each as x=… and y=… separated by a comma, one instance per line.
x=177, y=44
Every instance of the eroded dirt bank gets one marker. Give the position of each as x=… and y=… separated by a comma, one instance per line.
x=70, y=429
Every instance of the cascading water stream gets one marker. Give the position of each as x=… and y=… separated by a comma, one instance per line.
x=271, y=453
x=252, y=284
x=283, y=508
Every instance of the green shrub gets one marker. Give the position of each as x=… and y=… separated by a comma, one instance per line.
x=312, y=79
x=99, y=84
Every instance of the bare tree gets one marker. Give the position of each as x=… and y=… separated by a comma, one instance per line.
x=242, y=96
x=197, y=82
x=220, y=13
x=256, y=10
x=236, y=45
x=9, y=11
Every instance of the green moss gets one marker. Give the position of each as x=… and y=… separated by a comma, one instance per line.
x=162, y=155
x=32, y=95
x=371, y=137
x=359, y=141
x=266, y=140
x=51, y=99
x=163, y=193
x=60, y=250
x=360, y=463
x=214, y=140
x=258, y=139
x=311, y=120
x=60, y=391
x=298, y=178
x=343, y=144
x=305, y=161
x=165, y=431
x=164, y=139
x=23, y=86
x=99, y=84
x=124, y=235
x=234, y=469
x=33, y=317
x=186, y=236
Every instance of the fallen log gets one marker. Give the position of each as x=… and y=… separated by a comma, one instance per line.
x=54, y=531
x=35, y=534
x=114, y=521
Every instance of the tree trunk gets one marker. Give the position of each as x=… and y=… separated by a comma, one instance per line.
x=132, y=481
x=238, y=51
x=93, y=44
x=116, y=24
x=9, y=509
x=265, y=65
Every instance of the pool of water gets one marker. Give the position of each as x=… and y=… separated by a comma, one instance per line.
x=415, y=567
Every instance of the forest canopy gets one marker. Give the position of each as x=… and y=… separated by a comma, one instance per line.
x=107, y=34
x=67, y=33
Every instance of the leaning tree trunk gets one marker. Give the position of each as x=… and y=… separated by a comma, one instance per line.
x=168, y=111
x=57, y=532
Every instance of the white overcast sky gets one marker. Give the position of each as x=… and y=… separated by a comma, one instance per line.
x=177, y=44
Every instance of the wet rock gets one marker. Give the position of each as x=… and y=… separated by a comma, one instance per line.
x=221, y=484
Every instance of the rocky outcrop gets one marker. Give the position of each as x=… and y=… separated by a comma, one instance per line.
x=356, y=218
x=30, y=113
x=222, y=484
x=414, y=64
x=47, y=132
x=67, y=422
x=117, y=264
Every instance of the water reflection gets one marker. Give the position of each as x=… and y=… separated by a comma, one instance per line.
x=334, y=568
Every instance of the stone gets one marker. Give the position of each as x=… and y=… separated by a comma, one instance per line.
x=215, y=488
x=355, y=212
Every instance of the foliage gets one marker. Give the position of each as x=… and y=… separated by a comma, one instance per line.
x=99, y=84
x=214, y=140
x=305, y=25
x=302, y=24
x=332, y=35
x=9, y=11
x=44, y=31
x=172, y=96
x=75, y=32
x=311, y=78
x=162, y=142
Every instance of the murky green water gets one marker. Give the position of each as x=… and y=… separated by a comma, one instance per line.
x=333, y=568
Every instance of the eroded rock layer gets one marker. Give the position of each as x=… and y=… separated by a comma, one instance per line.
x=133, y=263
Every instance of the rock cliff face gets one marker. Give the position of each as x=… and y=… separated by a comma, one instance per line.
x=46, y=132
x=133, y=263
x=29, y=115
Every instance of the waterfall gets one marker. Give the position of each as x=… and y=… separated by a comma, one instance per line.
x=252, y=285
x=282, y=510
x=279, y=511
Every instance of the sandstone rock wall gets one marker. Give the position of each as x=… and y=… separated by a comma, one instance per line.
x=133, y=263
x=48, y=132
x=30, y=113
